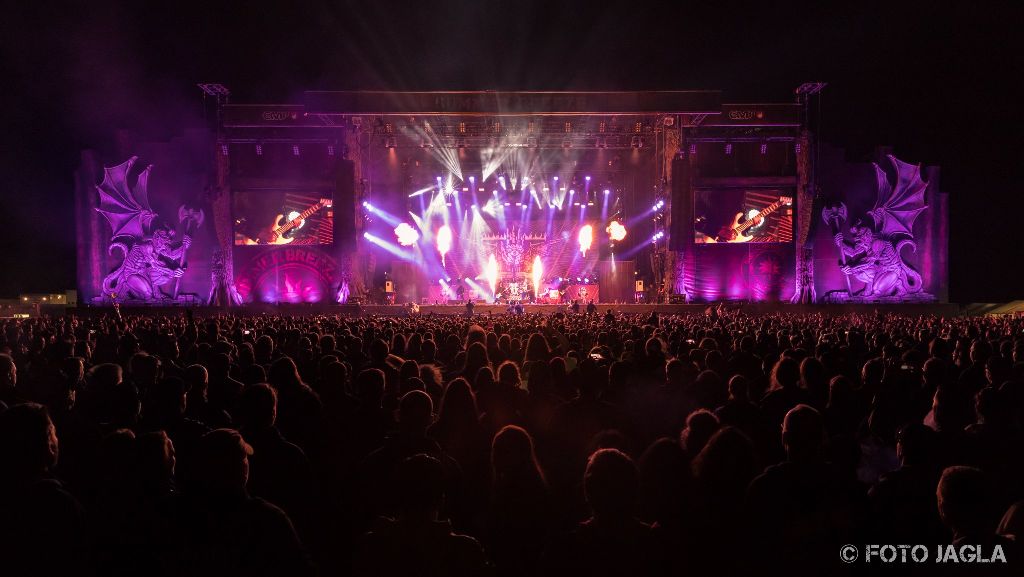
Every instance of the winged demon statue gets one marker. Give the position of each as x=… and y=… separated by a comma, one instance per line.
x=150, y=257
x=873, y=256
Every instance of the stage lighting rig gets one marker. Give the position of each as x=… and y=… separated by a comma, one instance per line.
x=810, y=88
x=215, y=89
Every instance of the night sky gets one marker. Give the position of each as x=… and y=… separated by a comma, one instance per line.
x=939, y=82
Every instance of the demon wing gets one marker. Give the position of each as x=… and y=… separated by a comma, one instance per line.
x=897, y=207
x=126, y=208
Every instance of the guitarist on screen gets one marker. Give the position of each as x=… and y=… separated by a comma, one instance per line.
x=282, y=228
x=744, y=225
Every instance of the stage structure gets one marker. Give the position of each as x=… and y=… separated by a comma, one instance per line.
x=542, y=197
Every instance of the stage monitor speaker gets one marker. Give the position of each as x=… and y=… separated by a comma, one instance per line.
x=680, y=234
x=677, y=299
x=389, y=287
x=344, y=205
x=639, y=286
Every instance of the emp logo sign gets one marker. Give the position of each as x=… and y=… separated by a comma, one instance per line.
x=279, y=115
x=745, y=114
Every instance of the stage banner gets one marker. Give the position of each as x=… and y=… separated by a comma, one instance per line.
x=286, y=274
x=761, y=272
x=617, y=280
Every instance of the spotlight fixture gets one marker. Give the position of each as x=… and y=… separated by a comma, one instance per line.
x=764, y=148
x=259, y=150
x=693, y=148
x=224, y=150
x=295, y=150
x=796, y=148
x=636, y=142
x=390, y=142
x=566, y=143
x=330, y=150
x=728, y=148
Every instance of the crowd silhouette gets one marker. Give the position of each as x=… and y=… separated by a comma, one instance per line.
x=584, y=444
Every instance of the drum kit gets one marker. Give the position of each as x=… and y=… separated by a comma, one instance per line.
x=513, y=291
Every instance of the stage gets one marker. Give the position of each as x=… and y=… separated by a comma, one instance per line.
x=355, y=311
x=497, y=196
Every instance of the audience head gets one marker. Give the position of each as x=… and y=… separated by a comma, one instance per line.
x=966, y=503
x=28, y=442
x=458, y=404
x=222, y=461
x=803, y=433
x=785, y=374
x=256, y=407
x=916, y=444
x=415, y=412
x=611, y=482
x=8, y=371
x=512, y=453
x=700, y=426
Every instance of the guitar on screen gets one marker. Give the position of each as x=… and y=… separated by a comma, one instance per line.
x=277, y=232
x=735, y=232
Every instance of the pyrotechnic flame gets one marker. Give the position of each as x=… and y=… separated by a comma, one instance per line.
x=616, y=231
x=586, y=238
x=444, y=241
x=406, y=235
x=492, y=272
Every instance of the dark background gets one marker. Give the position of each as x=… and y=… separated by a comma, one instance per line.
x=937, y=81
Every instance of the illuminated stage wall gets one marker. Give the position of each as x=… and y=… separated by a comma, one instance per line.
x=339, y=213
x=753, y=229
x=177, y=225
x=292, y=222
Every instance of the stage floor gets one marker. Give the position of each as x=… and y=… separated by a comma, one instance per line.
x=487, y=309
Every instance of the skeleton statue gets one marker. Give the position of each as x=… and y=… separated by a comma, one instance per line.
x=874, y=256
x=152, y=258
